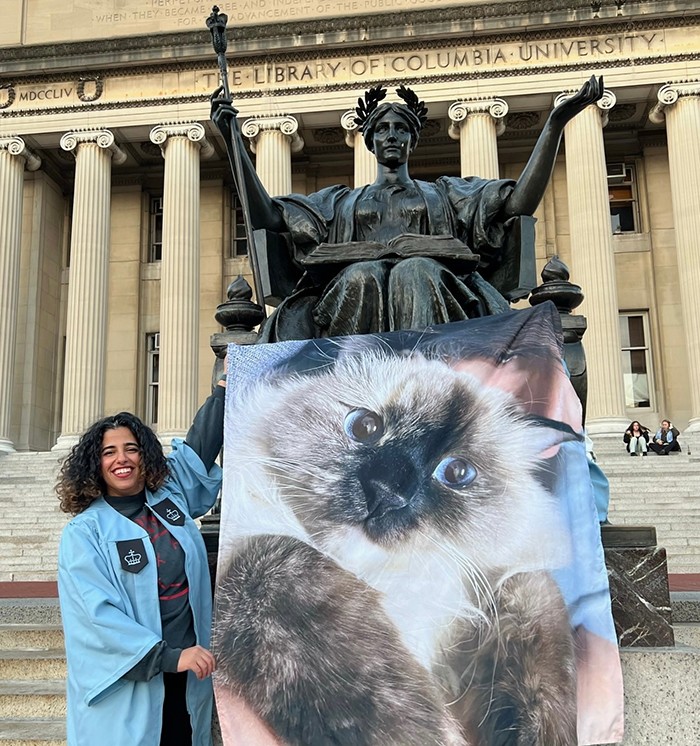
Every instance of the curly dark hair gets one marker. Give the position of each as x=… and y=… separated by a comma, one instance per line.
x=80, y=480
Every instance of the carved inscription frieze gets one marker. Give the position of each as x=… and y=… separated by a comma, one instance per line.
x=284, y=72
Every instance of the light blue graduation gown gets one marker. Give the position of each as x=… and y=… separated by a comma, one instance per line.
x=111, y=617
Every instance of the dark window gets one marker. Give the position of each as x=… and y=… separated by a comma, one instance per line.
x=636, y=360
x=155, y=230
x=152, y=377
x=622, y=190
x=239, y=240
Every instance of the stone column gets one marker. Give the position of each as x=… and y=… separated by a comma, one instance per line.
x=593, y=264
x=14, y=156
x=86, y=328
x=679, y=105
x=365, y=171
x=273, y=140
x=477, y=124
x=182, y=145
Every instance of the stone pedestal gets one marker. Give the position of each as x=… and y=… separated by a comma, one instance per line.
x=639, y=592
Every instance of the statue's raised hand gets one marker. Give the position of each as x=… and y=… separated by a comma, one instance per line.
x=223, y=113
x=590, y=92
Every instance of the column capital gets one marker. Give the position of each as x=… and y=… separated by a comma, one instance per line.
x=458, y=112
x=193, y=131
x=606, y=102
x=102, y=138
x=17, y=146
x=351, y=127
x=286, y=124
x=668, y=95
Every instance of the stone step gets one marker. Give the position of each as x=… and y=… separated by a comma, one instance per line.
x=685, y=607
x=31, y=636
x=668, y=513
x=661, y=686
x=33, y=698
x=32, y=673
x=661, y=523
x=627, y=518
x=19, y=664
x=687, y=633
x=655, y=484
x=33, y=731
x=663, y=485
x=38, y=612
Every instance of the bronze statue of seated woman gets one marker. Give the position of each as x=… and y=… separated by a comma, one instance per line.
x=399, y=253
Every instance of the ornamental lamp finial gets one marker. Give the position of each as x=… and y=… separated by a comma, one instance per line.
x=216, y=23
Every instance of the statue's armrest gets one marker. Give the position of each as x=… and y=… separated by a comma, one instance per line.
x=278, y=272
x=516, y=274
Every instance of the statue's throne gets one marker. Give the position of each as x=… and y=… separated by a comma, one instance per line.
x=640, y=623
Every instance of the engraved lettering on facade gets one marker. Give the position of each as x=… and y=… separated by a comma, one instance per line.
x=46, y=94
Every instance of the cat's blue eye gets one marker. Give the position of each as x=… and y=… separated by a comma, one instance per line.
x=454, y=472
x=363, y=426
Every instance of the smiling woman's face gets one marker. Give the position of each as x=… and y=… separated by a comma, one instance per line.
x=391, y=139
x=120, y=463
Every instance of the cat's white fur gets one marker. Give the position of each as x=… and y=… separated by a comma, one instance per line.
x=428, y=581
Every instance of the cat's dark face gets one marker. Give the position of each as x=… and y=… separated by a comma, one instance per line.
x=398, y=447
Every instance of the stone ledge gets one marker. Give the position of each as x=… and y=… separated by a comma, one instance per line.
x=30, y=611
x=685, y=606
x=661, y=686
x=33, y=729
x=33, y=686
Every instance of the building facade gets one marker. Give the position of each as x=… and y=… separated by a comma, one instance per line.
x=120, y=228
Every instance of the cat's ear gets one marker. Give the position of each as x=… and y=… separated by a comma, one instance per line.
x=547, y=433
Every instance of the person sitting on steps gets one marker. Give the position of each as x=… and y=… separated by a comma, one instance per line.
x=666, y=439
x=636, y=438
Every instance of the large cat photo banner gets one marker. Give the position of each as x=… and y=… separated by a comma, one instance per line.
x=409, y=552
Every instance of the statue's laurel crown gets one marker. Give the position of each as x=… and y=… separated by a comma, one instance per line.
x=365, y=106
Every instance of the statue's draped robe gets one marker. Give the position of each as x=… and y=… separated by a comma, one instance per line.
x=389, y=294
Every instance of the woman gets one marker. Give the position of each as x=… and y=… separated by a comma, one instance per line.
x=382, y=294
x=636, y=438
x=134, y=582
x=665, y=440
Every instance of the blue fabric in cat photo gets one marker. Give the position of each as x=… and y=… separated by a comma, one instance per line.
x=410, y=550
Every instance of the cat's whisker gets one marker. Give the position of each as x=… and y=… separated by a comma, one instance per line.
x=280, y=469
x=418, y=341
x=484, y=601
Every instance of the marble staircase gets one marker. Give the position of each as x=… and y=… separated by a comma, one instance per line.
x=32, y=521
x=659, y=491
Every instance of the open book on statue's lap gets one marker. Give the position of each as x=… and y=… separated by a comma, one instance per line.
x=446, y=249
